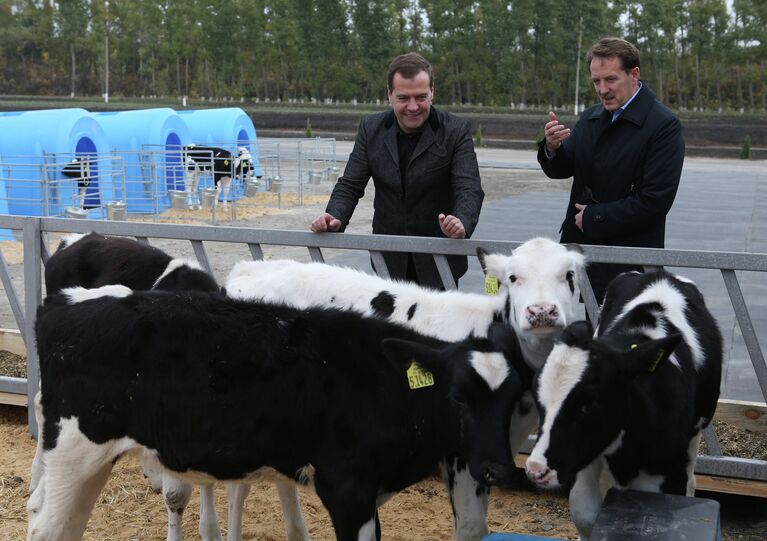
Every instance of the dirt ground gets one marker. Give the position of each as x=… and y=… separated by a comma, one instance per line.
x=129, y=510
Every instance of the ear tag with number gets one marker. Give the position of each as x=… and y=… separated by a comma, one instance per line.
x=418, y=376
x=491, y=285
x=658, y=358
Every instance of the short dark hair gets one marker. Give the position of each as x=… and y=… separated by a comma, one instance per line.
x=615, y=48
x=409, y=65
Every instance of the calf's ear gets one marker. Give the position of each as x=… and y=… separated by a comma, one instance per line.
x=576, y=254
x=645, y=358
x=404, y=352
x=492, y=264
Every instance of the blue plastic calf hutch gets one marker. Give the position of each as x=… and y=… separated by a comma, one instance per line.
x=36, y=146
x=150, y=142
x=226, y=128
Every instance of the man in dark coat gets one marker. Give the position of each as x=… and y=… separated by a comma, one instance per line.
x=625, y=156
x=425, y=172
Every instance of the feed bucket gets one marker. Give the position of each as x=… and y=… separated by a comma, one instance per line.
x=275, y=185
x=73, y=212
x=208, y=196
x=177, y=199
x=116, y=210
x=251, y=187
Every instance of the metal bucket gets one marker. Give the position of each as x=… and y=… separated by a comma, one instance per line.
x=73, y=212
x=116, y=210
x=208, y=197
x=177, y=199
x=315, y=177
x=251, y=187
x=275, y=185
x=333, y=174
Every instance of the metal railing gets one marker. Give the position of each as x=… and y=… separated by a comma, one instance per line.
x=298, y=164
x=154, y=178
x=38, y=186
x=34, y=232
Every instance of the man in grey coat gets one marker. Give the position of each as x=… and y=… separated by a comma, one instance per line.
x=625, y=156
x=425, y=172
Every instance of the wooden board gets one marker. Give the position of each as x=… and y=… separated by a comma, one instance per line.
x=730, y=485
x=11, y=340
x=751, y=416
x=13, y=399
x=712, y=483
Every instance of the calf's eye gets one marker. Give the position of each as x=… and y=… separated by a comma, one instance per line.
x=512, y=278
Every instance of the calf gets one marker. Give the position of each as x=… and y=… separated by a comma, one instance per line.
x=94, y=260
x=540, y=283
x=243, y=163
x=219, y=162
x=631, y=400
x=447, y=315
x=91, y=261
x=79, y=169
x=296, y=388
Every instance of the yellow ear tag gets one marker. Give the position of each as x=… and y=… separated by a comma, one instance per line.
x=491, y=285
x=226, y=162
x=654, y=365
x=418, y=377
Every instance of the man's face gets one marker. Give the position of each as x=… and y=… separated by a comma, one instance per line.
x=613, y=85
x=411, y=100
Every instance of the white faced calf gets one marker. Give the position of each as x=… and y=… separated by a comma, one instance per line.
x=631, y=401
x=540, y=282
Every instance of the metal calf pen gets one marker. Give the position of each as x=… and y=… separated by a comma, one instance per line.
x=34, y=232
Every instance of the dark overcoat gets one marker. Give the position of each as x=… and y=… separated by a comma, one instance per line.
x=442, y=177
x=628, y=171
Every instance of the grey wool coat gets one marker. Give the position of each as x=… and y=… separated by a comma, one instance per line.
x=442, y=177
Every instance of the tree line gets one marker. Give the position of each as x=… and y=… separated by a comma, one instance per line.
x=696, y=54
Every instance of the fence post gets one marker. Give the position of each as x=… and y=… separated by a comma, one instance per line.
x=33, y=296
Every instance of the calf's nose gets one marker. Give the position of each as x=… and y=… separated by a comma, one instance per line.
x=498, y=475
x=535, y=470
x=542, y=314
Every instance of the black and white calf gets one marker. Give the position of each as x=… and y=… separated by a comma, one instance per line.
x=540, y=282
x=276, y=387
x=79, y=169
x=548, y=281
x=630, y=401
x=219, y=163
x=94, y=260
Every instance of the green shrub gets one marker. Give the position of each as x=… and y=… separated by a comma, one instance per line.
x=479, y=141
x=745, y=150
x=308, y=127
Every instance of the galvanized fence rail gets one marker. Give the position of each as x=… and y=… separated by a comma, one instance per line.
x=37, y=185
x=150, y=180
x=33, y=231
